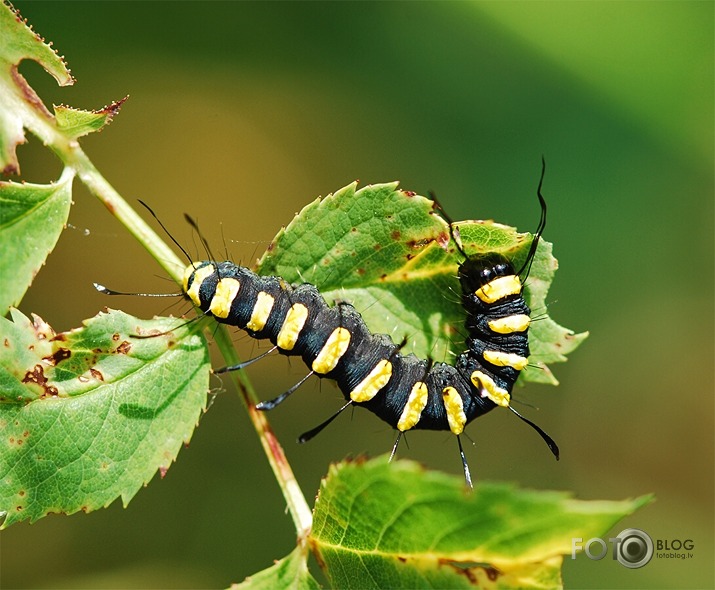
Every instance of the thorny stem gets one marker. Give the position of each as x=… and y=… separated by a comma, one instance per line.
x=73, y=156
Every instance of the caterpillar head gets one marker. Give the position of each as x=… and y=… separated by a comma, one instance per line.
x=477, y=271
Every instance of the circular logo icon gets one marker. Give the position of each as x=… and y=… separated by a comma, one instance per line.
x=635, y=548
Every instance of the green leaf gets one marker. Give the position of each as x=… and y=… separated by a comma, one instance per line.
x=89, y=415
x=289, y=573
x=377, y=248
x=18, y=101
x=74, y=123
x=21, y=107
x=20, y=42
x=380, y=525
x=32, y=217
x=390, y=254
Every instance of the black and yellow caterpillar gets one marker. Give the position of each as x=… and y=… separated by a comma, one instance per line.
x=403, y=390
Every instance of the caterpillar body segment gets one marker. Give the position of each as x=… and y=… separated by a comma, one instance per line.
x=335, y=343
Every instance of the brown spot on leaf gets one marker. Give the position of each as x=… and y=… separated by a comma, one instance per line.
x=409, y=193
x=7, y=343
x=58, y=356
x=10, y=169
x=162, y=471
x=396, y=234
x=377, y=247
x=492, y=572
x=37, y=376
x=470, y=572
x=116, y=337
x=97, y=374
x=414, y=244
x=124, y=348
x=443, y=240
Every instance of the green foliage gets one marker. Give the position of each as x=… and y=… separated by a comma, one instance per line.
x=74, y=123
x=290, y=573
x=390, y=254
x=32, y=217
x=20, y=107
x=395, y=525
x=90, y=415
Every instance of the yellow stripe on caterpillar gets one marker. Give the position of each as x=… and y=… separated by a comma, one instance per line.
x=374, y=382
x=454, y=407
x=510, y=324
x=333, y=350
x=292, y=326
x=499, y=288
x=505, y=359
x=412, y=412
x=226, y=291
x=261, y=311
x=199, y=276
x=490, y=389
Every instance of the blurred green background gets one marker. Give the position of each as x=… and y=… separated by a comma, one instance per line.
x=241, y=113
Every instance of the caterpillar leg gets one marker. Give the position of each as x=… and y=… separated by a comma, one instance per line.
x=394, y=447
x=306, y=436
x=465, y=466
x=547, y=439
x=244, y=364
x=272, y=403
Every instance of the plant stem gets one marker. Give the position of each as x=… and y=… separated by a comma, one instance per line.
x=297, y=506
x=72, y=155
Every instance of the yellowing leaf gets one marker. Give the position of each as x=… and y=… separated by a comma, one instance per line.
x=395, y=525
